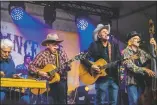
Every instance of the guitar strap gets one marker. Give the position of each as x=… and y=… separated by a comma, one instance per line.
x=57, y=59
x=109, y=51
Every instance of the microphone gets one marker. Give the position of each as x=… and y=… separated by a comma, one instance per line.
x=110, y=36
x=59, y=47
x=141, y=42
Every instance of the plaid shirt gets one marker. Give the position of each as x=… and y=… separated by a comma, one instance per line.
x=46, y=57
x=131, y=69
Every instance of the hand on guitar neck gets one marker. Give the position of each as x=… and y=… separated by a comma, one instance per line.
x=153, y=42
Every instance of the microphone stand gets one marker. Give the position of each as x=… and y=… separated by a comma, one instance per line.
x=119, y=82
x=118, y=67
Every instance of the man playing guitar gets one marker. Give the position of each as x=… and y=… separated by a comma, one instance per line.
x=54, y=55
x=102, y=48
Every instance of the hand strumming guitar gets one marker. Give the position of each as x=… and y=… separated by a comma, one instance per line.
x=95, y=67
x=42, y=74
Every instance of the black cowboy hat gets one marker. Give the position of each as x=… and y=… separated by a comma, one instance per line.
x=132, y=34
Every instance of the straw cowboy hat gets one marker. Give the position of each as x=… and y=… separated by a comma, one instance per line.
x=132, y=34
x=98, y=29
x=51, y=38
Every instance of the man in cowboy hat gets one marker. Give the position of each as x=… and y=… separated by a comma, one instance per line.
x=109, y=51
x=55, y=55
x=133, y=67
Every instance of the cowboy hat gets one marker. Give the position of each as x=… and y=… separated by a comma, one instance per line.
x=132, y=34
x=98, y=29
x=51, y=38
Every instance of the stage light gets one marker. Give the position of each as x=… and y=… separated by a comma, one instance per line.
x=86, y=88
x=50, y=14
x=82, y=95
x=17, y=13
x=16, y=10
x=105, y=20
x=82, y=24
x=81, y=21
x=85, y=28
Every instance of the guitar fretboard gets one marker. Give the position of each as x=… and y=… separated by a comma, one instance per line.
x=59, y=68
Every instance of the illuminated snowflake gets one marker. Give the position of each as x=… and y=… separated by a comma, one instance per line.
x=17, y=13
x=82, y=24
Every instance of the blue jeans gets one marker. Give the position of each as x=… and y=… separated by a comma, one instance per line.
x=25, y=99
x=101, y=90
x=133, y=94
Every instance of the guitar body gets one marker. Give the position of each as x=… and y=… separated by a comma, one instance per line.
x=90, y=77
x=48, y=68
x=54, y=78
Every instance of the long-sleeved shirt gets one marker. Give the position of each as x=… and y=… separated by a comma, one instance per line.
x=131, y=67
x=8, y=67
x=46, y=57
x=110, y=53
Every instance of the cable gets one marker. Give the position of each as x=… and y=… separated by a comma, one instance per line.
x=75, y=94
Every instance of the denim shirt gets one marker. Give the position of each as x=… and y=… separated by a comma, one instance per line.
x=8, y=67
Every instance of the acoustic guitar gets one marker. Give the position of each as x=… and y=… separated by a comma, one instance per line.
x=88, y=76
x=52, y=71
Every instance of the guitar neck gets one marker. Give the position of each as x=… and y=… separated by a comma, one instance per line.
x=109, y=64
x=59, y=68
